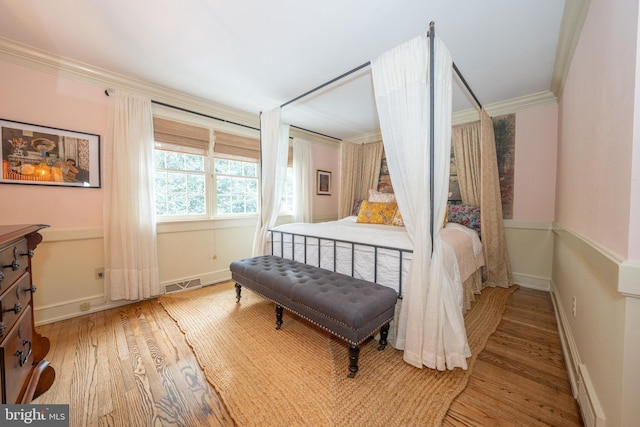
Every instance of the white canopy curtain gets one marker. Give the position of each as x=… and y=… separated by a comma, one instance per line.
x=274, y=146
x=431, y=327
x=131, y=265
x=302, y=180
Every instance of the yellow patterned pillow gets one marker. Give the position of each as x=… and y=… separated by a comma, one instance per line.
x=376, y=212
x=397, y=219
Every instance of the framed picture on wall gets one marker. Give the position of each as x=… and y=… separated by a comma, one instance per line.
x=323, y=183
x=41, y=155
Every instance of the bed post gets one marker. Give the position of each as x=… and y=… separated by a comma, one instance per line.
x=260, y=166
x=432, y=33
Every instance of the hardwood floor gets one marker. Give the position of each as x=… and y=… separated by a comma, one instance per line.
x=132, y=366
x=520, y=378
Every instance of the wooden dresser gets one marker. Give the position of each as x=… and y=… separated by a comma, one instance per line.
x=24, y=374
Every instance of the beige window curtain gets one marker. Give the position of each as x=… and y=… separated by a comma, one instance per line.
x=466, y=148
x=474, y=148
x=177, y=136
x=131, y=260
x=359, y=172
x=493, y=237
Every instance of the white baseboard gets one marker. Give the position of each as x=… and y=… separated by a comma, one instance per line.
x=70, y=309
x=532, y=282
x=581, y=385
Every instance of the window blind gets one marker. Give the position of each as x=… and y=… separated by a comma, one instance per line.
x=234, y=147
x=177, y=136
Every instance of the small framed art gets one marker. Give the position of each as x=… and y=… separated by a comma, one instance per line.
x=41, y=155
x=323, y=183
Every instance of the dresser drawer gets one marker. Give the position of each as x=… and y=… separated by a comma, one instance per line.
x=13, y=303
x=16, y=356
x=14, y=262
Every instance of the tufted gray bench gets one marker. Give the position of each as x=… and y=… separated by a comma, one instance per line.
x=351, y=309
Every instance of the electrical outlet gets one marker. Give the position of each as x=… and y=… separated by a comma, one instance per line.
x=99, y=273
x=85, y=306
x=574, y=306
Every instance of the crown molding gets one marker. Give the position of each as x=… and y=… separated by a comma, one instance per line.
x=510, y=106
x=40, y=60
x=366, y=138
x=313, y=137
x=28, y=56
x=573, y=17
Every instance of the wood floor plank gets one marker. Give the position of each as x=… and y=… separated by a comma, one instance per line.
x=185, y=367
x=86, y=366
x=545, y=403
x=116, y=375
x=525, y=351
x=145, y=380
x=531, y=371
x=521, y=367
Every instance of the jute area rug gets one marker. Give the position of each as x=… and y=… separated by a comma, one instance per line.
x=297, y=376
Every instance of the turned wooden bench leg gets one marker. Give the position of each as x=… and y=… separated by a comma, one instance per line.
x=384, y=333
x=354, y=354
x=278, y=316
x=238, y=292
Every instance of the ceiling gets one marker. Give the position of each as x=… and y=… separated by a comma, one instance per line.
x=254, y=55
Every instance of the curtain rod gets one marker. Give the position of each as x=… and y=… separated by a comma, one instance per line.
x=108, y=91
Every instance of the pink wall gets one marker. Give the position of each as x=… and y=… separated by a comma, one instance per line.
x=596, y=128
x=45, y=99
x=535, y=164
x=327, y=157
x=634, y=211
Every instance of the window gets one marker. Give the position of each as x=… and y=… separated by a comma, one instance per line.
x=192, y=182
x=236, y=173
x=236, y=186
x=180, y=156
x=180, y=183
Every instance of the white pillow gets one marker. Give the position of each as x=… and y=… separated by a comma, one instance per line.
x=376, y=196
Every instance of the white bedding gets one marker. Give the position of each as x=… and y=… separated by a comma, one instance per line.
x=464, y=242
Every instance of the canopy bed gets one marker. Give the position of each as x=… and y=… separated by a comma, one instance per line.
x=413, y=90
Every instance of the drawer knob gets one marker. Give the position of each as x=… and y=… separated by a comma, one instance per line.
x=31, y=289
x=29, y=253
x=14, y=265
x=17, y=308
x=19, y=353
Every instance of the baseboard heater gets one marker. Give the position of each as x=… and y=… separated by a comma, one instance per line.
x=185, y=285
x=592, y=413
